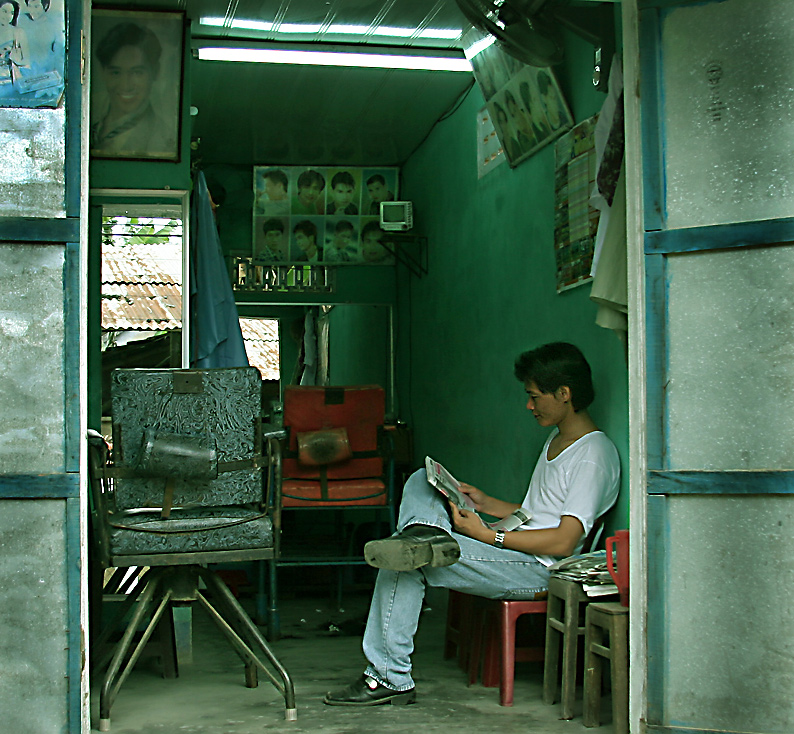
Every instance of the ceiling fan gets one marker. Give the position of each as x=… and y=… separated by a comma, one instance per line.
x=530, y=30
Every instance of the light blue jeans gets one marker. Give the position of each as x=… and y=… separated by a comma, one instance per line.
x=483, y=570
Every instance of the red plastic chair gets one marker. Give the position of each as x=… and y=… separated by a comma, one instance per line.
x=495, y=625
x=478, y=640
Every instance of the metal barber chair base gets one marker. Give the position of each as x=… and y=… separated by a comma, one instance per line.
x=161, y=586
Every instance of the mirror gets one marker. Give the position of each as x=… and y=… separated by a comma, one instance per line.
x=355, y=343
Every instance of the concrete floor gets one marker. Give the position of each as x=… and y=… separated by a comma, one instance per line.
x=209, y=696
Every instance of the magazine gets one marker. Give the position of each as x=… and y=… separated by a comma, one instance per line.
x=445, y=483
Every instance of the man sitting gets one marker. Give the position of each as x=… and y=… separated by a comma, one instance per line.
x=574, y=482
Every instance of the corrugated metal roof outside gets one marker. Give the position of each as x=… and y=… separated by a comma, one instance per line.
x=139, y=293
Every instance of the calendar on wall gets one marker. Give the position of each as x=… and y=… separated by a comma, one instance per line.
x=575, y=219
x=321, y=215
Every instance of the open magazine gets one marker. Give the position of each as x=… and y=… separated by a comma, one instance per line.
x=445, y=483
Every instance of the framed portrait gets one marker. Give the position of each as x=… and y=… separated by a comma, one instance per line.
x=137, y=77
x=32, y=53
x=321, y=215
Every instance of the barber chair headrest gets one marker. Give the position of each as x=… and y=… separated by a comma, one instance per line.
x=178, y=455
x=329, y=446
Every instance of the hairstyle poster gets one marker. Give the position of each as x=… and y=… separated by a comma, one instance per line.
x=328, y=215
x=575, y=219
x=525, y=102
x=136, y=84
x=32, y=52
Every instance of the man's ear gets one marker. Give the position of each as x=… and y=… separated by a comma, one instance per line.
x=564, y=393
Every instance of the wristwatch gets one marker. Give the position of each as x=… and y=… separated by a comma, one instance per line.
x=499, y=540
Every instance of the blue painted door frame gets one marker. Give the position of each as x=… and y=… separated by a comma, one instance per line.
x=63, y=486
x=661, y=242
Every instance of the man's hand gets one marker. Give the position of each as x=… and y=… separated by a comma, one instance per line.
x=470, y=524
x=487, y=504
x=477, y=496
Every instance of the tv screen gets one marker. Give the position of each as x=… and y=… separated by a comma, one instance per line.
x=393, y=212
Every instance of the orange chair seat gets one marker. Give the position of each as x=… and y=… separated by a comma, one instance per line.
x=307, y=493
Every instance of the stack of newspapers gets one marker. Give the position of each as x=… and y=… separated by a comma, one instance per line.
x=589, y=570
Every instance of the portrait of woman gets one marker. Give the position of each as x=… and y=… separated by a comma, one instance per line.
x=136, y=88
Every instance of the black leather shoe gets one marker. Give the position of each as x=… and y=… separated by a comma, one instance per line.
x=367, y=691
x=413, y=547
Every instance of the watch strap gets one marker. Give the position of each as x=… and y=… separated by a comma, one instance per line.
x=499, y=540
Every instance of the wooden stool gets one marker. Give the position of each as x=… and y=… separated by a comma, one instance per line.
x=563, y=621
x=612, y=618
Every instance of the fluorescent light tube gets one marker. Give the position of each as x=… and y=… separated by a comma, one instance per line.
x=335, y=28
x=328, y=58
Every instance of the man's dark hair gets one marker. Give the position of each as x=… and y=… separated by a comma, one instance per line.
x=273, y=225
x=523, y=89
x=376, y=178
x=130, y=34
x=343, y=177
x=554, y=365
x=307, y=178
x=44, y=4
x=277, y=176
x=509, y=98
x=371, y=226
x=544, y=82
x=15, y=6
x=308, y=228
x=344, y=224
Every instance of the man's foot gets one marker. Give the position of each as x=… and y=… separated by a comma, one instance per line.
x=367, y=691
x=413, y=547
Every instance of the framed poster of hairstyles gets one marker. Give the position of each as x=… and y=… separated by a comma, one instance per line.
x=136, y=84
x=321, y=215
x=525, y=103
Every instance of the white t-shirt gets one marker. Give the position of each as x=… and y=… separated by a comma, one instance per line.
x=582, y=482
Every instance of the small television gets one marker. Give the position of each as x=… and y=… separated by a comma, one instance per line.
x=396, y=216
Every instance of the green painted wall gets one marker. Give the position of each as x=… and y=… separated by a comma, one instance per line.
x=489, y=295
x=360, y=346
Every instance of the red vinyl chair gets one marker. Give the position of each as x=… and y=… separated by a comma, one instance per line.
x=336, y=456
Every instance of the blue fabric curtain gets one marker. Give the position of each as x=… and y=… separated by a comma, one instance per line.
x=216, y=338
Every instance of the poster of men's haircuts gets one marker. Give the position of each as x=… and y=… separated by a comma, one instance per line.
x=328, y=216
x=32, y=52
x=136, y=84
x=525, y=102
x=575, y=219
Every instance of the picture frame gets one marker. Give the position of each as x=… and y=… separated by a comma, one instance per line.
x=525, y=103
x=137, y=82
x=529, y=112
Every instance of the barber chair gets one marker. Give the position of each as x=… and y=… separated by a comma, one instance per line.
x=334, y=458
x=183, y=488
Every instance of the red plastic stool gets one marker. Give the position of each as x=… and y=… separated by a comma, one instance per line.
x=499, y=637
